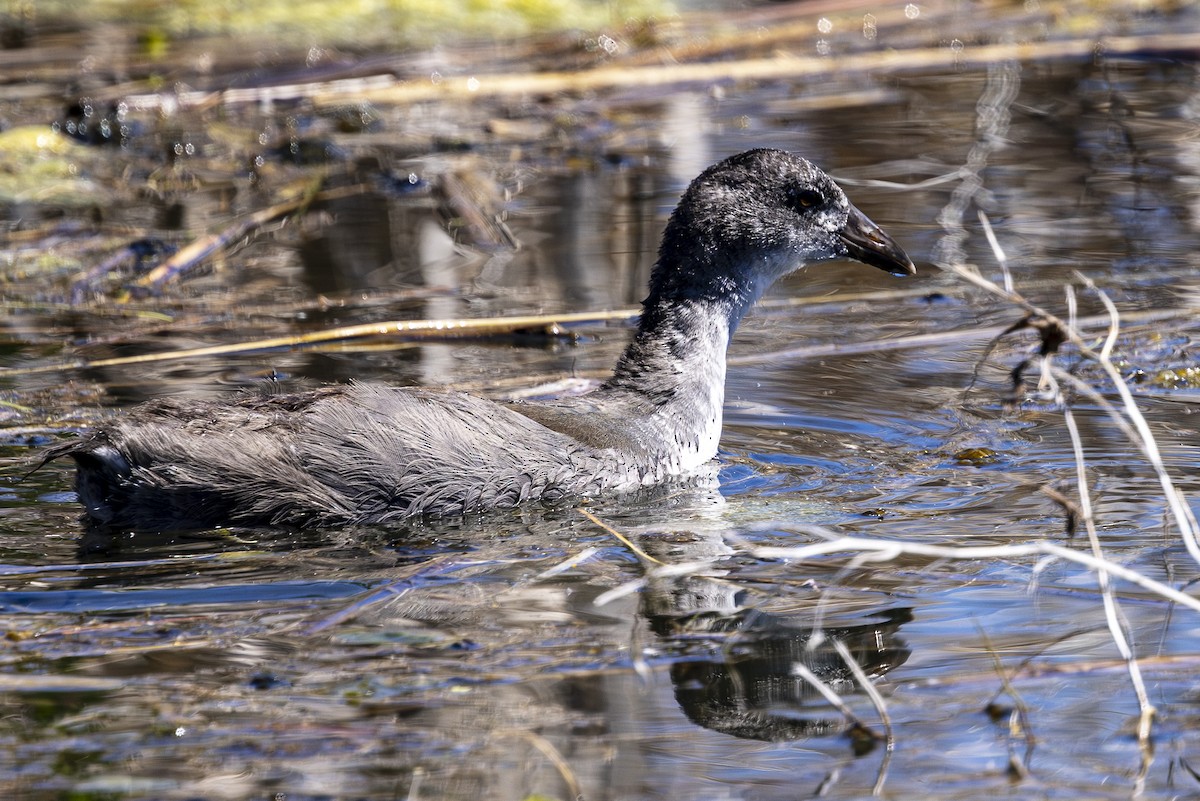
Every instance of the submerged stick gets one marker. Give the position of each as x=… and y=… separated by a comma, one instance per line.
x=628, y=543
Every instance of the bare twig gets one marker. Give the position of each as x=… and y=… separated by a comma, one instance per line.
x=992, y=125
x=417, y=329
x=387, y=89
x=391, y=591
x=829, y=694
x=1117, y=624
x=997, y=251
x=195, y=253
x=574, y=789
x=645, y=557
x=1179, y=509
x=1018, y=719
x=567, y=564
x=871, y=551
x=868, y=687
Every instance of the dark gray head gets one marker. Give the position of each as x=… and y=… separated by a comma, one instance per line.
x=755, y=217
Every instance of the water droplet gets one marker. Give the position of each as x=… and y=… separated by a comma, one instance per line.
x=472, y=84
x=869, y=29
x=824, y=25
x=912, y=11
x=823, y=47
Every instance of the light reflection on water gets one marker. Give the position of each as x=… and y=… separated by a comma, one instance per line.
x=464, y=658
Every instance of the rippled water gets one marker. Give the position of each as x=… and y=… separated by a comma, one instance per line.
x=471, y=659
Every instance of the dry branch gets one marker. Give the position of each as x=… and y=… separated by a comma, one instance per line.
x=409, y=329
x=386, y=89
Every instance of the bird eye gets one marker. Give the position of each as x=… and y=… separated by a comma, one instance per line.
x=807, y=198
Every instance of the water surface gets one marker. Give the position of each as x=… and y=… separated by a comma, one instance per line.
x=470, y=658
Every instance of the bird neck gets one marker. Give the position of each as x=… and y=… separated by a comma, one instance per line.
x=674, y=370
x=677, y=344
x=697, y=298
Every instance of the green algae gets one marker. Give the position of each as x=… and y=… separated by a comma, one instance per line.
x=39, y=165
x=355, y=22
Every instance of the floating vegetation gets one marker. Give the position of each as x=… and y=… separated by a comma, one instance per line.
x=1172, y=378
x=41, y=166
x=976, y=457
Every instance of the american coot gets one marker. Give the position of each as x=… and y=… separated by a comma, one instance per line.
x=366, y=453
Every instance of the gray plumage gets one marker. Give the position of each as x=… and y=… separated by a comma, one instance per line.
x=367, y=453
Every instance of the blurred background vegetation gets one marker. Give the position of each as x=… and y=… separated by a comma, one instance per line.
x=350, y=23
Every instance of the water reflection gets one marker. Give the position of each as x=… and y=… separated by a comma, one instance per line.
x=751, y=689
x=350, y=246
